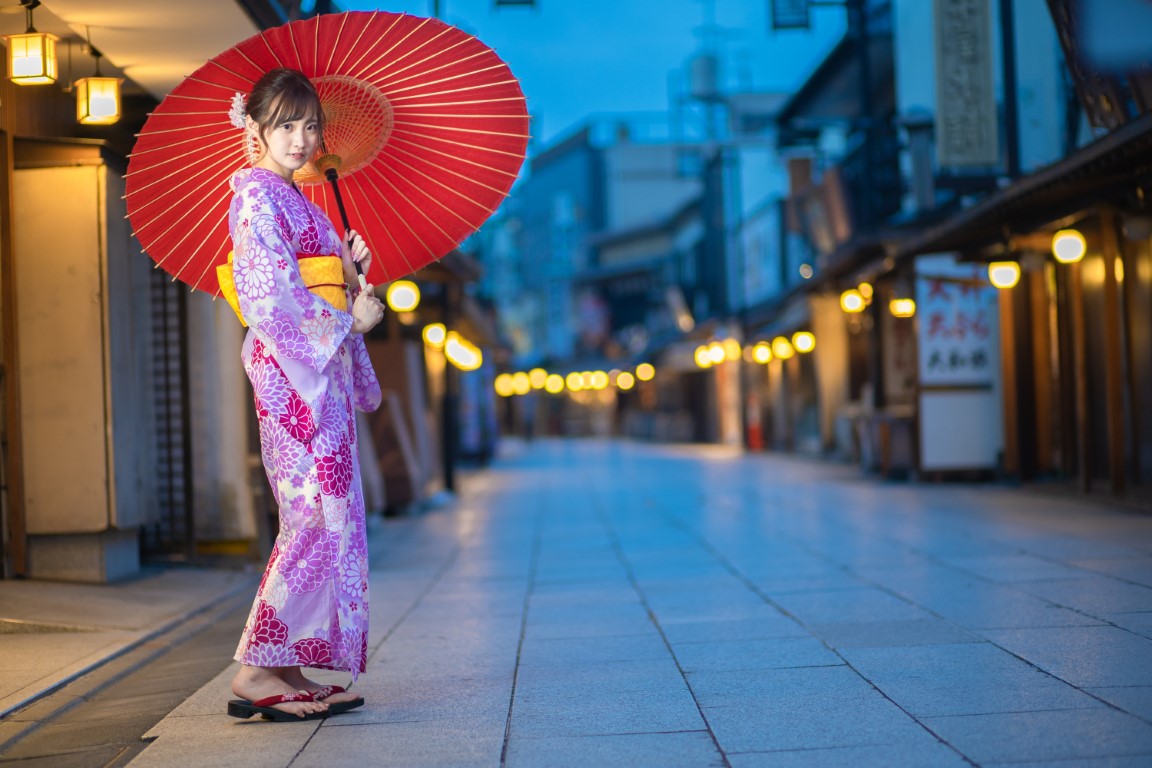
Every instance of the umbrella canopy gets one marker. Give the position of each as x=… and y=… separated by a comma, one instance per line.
x=425, y=124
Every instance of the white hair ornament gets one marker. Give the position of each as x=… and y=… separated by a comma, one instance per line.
x=239, y=111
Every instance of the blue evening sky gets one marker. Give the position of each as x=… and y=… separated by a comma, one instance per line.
x=577, y=58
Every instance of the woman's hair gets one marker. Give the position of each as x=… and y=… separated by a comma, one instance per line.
x=282, y=96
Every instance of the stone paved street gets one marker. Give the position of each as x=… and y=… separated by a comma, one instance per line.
x=595, y=603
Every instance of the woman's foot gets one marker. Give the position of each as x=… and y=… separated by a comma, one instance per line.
x=295, y=678
x=255, y=683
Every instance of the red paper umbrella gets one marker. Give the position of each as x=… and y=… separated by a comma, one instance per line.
x=425, y=125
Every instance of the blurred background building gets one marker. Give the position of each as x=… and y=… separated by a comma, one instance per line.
x=865, y=268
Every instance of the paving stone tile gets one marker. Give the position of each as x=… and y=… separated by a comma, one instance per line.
x=939, y=680
x=790, y=584
x=690, y=749
x=439, y=744
x=1135, y=569
x=859, y=605
x=1135, y=700
x=1014, y=568
x=772, y=625
x=1094, y=595
x=916, y=753
x=778, y=653
x=1138, y=623
x=635, y=675
x=572, y=627
x=568, y=652
x=697, y=611
x=1083, y=656
x=594, y=595
x=791, y=709
x=457, y=699
x=979, y=605
x=1069, y=548
x=872, y=634
x=855, y=548
x=1130, y=761
x=224, y=742
x=1039, y=736
x=605, y=712
x=737, y=601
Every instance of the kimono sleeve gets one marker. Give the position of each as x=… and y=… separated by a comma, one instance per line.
x=365, y=385
x=294, y=323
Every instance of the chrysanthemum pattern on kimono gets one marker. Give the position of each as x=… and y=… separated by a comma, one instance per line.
x=308, y=373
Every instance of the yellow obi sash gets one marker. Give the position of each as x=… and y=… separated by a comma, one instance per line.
x=322, y=274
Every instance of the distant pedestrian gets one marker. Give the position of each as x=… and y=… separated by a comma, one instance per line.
x=309, y=369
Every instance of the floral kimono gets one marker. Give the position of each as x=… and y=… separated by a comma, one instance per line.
x=307, y=372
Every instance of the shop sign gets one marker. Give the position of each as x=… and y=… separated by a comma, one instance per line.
x=957, y=310
x=967, y=131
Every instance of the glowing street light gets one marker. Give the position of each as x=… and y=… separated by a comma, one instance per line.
x=803, y=341
x=1069, y=246
x=902, y=307
x=503, y=385
x=645, y=372
x=1004, y=274
x=852, y=301
x=782, y=348
x=402, y=296
x=435, y=335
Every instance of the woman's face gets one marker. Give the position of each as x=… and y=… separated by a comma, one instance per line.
x=290, y=145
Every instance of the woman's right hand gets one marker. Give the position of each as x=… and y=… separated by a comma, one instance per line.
x=367, y=311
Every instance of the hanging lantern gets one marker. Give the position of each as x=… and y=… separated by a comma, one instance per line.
x=32, y=57
x=98, y=100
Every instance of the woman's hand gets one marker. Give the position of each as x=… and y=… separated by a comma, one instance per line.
x=367, y=311
x=358, y=252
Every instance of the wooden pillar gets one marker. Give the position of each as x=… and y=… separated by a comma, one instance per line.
x=1010, y=465
x=1129, y=260
x=1041, y=334
x=17, y=555
x=1080, y=366
x=1113, y=353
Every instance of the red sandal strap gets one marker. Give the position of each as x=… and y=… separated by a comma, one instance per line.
x=284, y=698
x=326, y=691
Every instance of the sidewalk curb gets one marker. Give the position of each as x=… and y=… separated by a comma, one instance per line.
x=245, y=585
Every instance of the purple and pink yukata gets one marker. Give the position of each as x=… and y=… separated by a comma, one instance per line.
x=308, y=373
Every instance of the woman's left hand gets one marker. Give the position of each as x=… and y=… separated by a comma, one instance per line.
x=357, y=253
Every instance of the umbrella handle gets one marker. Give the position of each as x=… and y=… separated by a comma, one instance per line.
x=333, y=177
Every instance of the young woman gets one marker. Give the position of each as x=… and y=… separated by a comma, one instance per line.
x=309, y=369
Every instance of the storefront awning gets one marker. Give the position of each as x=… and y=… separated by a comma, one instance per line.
x=1107, y=170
